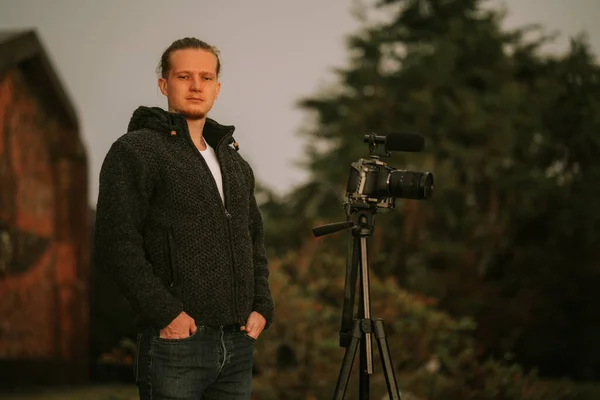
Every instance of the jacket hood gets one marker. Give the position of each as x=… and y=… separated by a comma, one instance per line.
x=154, y=118
x=159, y=120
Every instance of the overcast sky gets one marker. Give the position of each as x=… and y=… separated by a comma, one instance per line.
x=273, y=52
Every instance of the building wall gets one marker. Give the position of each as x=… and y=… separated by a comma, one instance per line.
x=43, y=241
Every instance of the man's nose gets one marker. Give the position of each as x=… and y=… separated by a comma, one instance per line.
x=196, y=85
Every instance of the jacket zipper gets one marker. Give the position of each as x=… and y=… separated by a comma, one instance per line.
x=233, y=263
x=228, y=217
x=172, y=261
x=231, y=247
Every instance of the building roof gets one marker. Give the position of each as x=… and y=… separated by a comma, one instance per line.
x=23, y=50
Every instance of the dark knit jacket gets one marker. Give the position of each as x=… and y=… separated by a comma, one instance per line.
x=165, y=236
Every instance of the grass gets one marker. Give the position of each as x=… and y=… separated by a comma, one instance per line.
x=100, y=392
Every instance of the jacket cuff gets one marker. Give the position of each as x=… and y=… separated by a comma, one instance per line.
x=264, y=310
x=167, y=313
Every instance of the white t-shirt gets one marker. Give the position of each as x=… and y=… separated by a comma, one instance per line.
x=211, y=159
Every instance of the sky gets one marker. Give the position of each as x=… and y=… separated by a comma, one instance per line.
x=273, y=53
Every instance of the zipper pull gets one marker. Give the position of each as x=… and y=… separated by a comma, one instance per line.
x=227, y=214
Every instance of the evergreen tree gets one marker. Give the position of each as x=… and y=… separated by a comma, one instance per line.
x=509, y=237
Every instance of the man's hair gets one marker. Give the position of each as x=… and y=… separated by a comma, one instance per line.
x=181, y=44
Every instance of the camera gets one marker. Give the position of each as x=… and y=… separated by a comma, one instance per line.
x=372, y=182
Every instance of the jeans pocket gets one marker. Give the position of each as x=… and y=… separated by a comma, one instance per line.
x=249, y=337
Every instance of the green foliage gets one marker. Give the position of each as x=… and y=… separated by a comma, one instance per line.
x=434, y=354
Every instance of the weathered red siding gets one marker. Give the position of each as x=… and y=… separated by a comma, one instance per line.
x=43, y=240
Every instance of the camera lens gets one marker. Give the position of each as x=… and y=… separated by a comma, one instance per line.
x=410, y=184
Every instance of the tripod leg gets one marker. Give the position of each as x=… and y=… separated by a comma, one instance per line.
x=386, y=359
x=364, y=378
x=364, y=382
x=366, y=300
x=349, y=355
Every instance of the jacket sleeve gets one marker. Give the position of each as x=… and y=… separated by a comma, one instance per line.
x=123, y=204
x=263, y=301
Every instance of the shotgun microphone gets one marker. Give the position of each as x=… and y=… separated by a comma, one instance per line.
x=401, y=141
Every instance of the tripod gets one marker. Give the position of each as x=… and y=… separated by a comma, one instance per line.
x=360, y=330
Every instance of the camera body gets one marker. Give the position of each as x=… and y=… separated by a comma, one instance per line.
x=372, y=182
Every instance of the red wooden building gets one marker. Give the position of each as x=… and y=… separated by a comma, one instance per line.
x=44, y=249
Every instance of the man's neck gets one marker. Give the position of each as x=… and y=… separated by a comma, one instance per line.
x=196, y=128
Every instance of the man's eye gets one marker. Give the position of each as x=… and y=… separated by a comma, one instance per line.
x=183, y=77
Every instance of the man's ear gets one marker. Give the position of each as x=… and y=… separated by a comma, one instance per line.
x=162, y=84
x=218, y=90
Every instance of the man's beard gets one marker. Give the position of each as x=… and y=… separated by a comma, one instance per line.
x=193, y=114
x=190, y=113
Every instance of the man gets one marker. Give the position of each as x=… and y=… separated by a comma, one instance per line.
x=178, y=228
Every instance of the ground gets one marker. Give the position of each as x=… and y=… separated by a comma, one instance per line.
x=104, y=392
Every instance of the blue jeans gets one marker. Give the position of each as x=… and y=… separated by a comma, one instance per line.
x=213, y=363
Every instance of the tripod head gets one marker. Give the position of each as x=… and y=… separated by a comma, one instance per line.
x=363, y=224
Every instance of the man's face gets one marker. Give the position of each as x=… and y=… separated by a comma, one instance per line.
x=192, y=85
